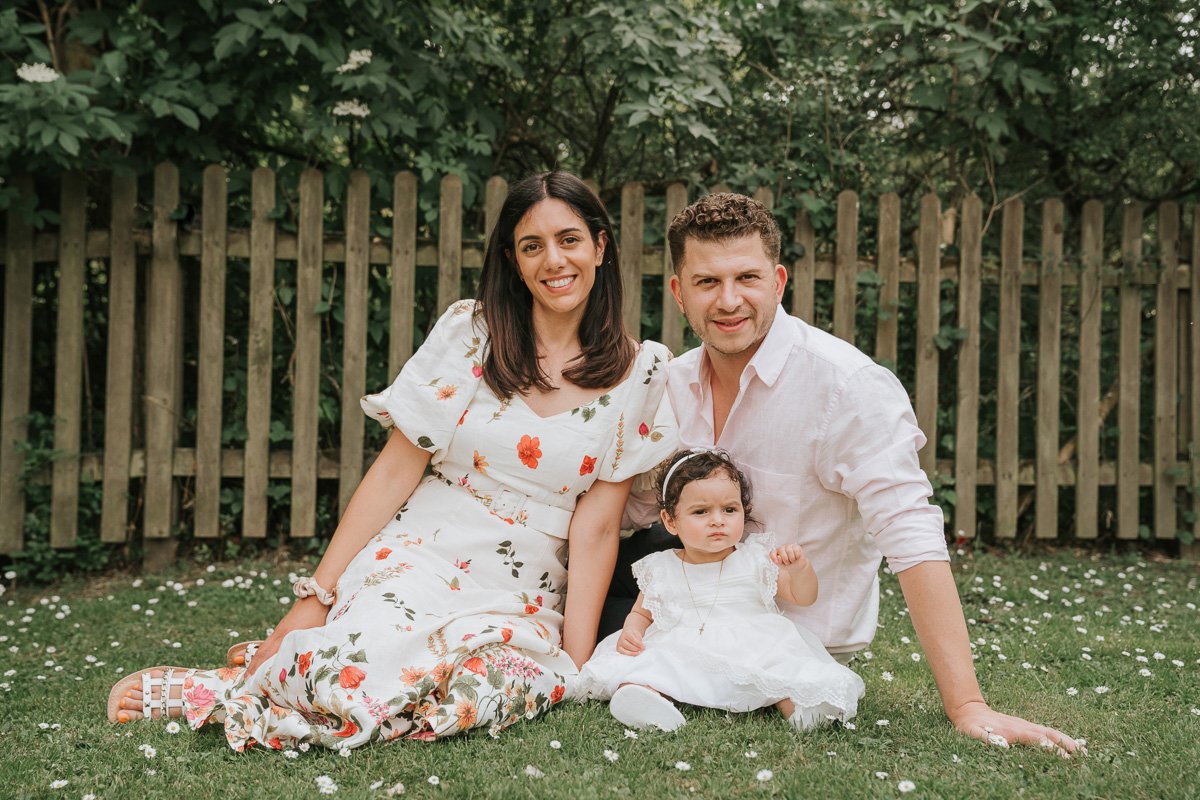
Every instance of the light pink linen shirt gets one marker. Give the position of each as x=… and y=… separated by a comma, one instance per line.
x=829, y=442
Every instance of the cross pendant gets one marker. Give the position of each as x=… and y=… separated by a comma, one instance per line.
x=701, y=627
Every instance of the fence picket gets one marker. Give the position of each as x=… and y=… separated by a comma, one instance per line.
x=1049, y=364
x=1009, y=368
x=306, y=394
x=966, y=451
x=672, y=319
x=845, y=278
x=210, y=367
x=118, y=384
x=1128, y=400
x=1193, y=549
x=450, y=214
x=163, y=317
x=354, y=335
x=804, y=268
x=1166, y=388
x=258, y=353
x=494, y=196
x=633, y=206
x=928, y=310
x=404, y=270
x=887, y=323
x=68, y=363
x=1087, y=495
x=17, y=368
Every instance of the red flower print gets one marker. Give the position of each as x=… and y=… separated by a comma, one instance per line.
x=538, y=599
x=506, y=633
x=283, y=675
x=382, y=553
x=531, y=609
x=644, y=429
x=587, y=466
x=476, y=370
x=464, y=416
x=200, y=696
x=529, y=451
x=476, y=665
x=275, y=744
x=557, y=694
x=305, y=663
x=481, y=463
x=465, y=566
x=351, y=677
x=349, y=730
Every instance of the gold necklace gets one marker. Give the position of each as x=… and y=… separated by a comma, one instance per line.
x=717, y=596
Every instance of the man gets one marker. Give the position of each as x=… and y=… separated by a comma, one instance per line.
x=829, y=441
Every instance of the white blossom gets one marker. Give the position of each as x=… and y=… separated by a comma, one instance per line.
x=764, y=775
x=682, y=766
x=350, y=108
x=356, y=59
x=533, y=771
x=37, y=73
x=906, y=786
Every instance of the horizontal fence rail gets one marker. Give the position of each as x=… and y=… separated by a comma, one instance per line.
x=975, y=317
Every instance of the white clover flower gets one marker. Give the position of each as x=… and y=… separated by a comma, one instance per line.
x=392, y=791
x=344, y=752
x=59, y=783
x=356, y=59
x=887, y=676
x=883, y=776
x=915, y=656
x=1072, y=691
x=906, y=786
x=533, y=771
x=682, y=766
x=611, y=755
x=882, y=722
x=754, y=754
x=1196, y=712
x=149, y=752
x=290, y=754
x=173, y=727
x=764, y=775
x=555, y=744
x=434, y=780
x=36, y=73
x=1101, y=690
x=630, y=734
x=1145, y=673
x=351, y=108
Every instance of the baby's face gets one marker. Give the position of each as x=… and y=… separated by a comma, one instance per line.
x=709, y=518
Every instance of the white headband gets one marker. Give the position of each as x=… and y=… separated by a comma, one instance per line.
x=695, y=451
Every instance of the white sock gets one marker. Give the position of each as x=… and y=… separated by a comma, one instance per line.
x=639, y=707
x=803, y=719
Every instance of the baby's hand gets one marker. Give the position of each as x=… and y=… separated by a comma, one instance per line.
x=791, y=556
x=629, y=643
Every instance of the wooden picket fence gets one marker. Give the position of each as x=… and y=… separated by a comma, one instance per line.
x=1172, y=473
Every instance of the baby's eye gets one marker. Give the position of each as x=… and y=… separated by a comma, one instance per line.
x=699, y=512
x=731, y=509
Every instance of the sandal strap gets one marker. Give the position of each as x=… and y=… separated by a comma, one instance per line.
x=165, y=703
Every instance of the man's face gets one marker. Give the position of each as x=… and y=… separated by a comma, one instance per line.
x=729, y=290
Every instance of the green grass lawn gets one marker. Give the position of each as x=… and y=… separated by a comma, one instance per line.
x=1050, y=631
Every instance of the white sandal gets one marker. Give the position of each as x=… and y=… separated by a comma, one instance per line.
x=163, y=705
x=242, y=650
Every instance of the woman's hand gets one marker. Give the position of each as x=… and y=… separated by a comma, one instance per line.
x=629, y=643
x=306, y=613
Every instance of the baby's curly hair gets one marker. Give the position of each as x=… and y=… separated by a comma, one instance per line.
x=698, y=466
x=719, y=217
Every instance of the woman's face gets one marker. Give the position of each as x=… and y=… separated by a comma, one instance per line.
x=557, y=257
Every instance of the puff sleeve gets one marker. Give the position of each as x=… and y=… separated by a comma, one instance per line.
x=431, y=394
x=646, y=432
x=656, y=594
x=758, y=547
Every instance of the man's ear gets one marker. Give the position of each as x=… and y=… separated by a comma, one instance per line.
x=667, y=522
x=676, y=286
x=780, y=281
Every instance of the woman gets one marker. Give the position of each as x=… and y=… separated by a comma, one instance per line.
x=438, y=605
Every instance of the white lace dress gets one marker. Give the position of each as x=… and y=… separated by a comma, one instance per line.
x=748, y=656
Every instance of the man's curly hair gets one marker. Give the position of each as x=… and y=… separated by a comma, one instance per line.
x=719, y=217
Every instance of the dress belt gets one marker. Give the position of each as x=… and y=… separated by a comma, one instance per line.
x=515, y=507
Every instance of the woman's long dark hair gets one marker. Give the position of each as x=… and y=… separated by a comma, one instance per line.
x=510, y=365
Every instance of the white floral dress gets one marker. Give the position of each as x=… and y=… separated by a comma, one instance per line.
x=748, y=656
x=450, y=618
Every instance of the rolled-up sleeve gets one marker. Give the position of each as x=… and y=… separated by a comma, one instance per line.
x=868, y=452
